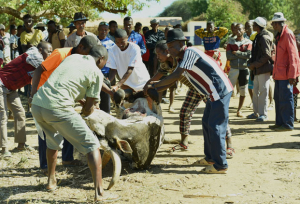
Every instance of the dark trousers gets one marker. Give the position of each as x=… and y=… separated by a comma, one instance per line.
x=67, y=152
x=214, y=124
x=105, y=102
x=284, y=104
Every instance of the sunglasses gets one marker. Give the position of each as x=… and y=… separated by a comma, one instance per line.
x=103, y=23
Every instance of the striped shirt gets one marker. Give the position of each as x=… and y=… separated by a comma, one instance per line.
x=205, y=74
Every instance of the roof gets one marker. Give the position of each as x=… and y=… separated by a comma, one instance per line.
x=164, y=21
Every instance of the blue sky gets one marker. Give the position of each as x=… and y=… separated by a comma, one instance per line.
x=154, y=9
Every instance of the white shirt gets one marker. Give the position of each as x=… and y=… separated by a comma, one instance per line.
x=6, y=40
x=131, y=57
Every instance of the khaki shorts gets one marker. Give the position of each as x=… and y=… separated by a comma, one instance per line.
x=58, y=124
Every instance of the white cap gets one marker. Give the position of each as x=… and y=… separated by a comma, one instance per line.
x=261, y=22
x=278, y=16
x=2, y=27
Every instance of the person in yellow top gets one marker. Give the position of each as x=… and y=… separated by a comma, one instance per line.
x=30, y=37
x=212, y=36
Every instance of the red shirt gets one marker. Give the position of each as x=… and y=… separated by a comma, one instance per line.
x=147, y=54
x=17, y=73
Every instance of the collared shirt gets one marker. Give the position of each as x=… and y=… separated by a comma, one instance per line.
x=56, y=38
x=73, y=40
x=152, y=38
x=205, y=74
x=107, y=43
x=211, y=40
x=137, y=39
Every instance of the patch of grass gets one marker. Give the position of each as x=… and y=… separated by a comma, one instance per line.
x=22, y=162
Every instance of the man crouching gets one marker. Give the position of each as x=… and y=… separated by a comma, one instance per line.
x=53, y=108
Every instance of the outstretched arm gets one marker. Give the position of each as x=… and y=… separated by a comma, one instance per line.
x=124, y=78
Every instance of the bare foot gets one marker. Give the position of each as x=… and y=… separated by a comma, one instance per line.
x=108, y=197
x=52, y=184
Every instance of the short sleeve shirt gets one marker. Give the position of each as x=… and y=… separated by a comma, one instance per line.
x=76, y=77
x=52, y=62
x=131, y=57
x=32, y=38
x=56, y=38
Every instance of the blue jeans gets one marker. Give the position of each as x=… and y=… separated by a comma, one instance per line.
x=284, y=104
x=214, y=124
x=67, y=152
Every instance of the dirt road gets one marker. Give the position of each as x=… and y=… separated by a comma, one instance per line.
x=265, y=169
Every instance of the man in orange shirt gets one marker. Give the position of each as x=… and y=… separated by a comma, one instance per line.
x=41, y=75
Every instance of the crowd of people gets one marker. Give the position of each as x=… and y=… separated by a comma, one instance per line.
x=60, y=70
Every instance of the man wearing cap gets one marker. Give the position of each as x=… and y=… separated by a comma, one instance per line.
x=261, y=65
x=107, y=43
x=30, y=37
x=71, y=27
x=79, y=21
x=6, y=41
x=152, y=37
x=207, y=77
x=134, y=36
x=41, y=26
x=212, y=36
x=56, y=37
x=285, y=72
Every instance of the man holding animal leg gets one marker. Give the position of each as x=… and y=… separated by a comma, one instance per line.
x=41, y=75
x=126, y=60
x=208, y=78
x=53, y=109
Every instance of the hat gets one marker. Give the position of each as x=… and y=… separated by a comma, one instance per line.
x=39, y=25
x=103, y=23
x=71, y=25
x=80, y=17
x=175, y=34
x=261, y=22
x=154, y=21
x=51, y=22
x=278, y=16
x=2, y=27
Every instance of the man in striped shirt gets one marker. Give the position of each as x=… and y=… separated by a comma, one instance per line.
x=207, y=78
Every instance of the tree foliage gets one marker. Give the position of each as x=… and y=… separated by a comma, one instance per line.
x=12, y=11
x=265, y=8
x=224, y=12
x=186, y=9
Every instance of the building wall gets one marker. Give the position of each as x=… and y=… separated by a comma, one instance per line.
x=190, y=34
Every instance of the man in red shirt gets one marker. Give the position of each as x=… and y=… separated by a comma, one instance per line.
x=14, y=76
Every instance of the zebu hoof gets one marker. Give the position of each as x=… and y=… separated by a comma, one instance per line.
x=153, y=94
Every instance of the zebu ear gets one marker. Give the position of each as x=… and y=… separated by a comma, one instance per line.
x=124, y=146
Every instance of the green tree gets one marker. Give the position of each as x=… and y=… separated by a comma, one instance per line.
x=178, y=9
x=266, y=8
x=198, y=7
x=224, y=12
x=12, y=11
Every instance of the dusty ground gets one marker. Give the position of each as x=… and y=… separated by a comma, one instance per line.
x=265, y=169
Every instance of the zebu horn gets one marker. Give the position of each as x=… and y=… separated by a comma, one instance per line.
x=105, y=158
x=117, y=168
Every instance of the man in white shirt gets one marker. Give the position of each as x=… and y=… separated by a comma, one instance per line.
x=125, y=58
x=6, y=41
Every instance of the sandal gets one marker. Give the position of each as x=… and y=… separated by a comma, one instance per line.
x=202, y=162
x=230, y=153
x=180, y=146
x=26, y=147
x=211, y=170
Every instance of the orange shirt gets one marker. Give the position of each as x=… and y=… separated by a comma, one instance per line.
x=52, y=62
